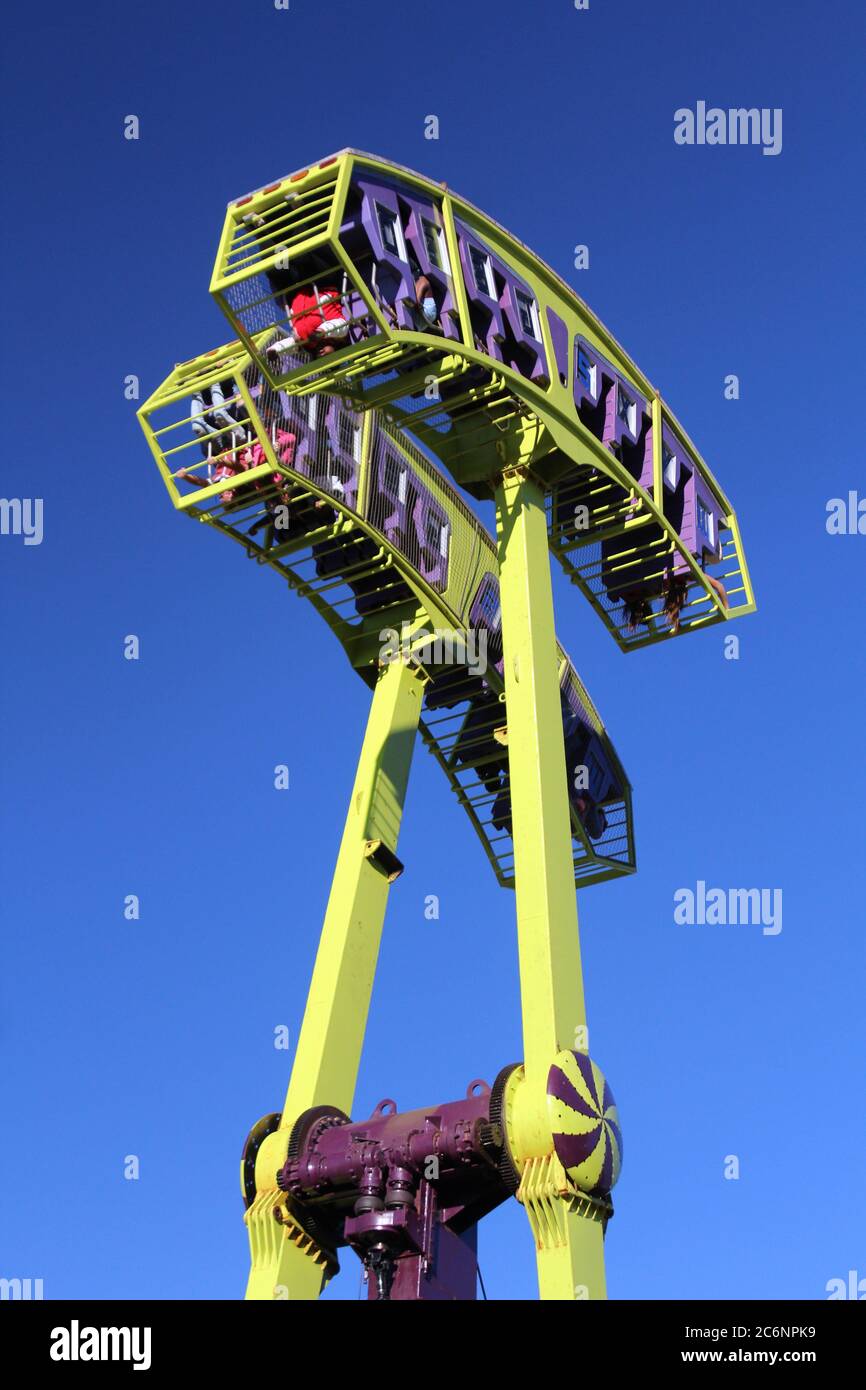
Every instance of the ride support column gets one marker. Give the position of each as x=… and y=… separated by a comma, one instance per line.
x=569, y=1240
x=325, y=1069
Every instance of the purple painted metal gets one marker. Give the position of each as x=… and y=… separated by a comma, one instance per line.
x=625, y=413
x=615, y=411
x=405, y=1191
x=484, y=310
x=392, y=278
x=500, y=303
x=432, y=535
x=587, y=377
x=451, y=1273
x=424, y=234
x=485, y=614
x=702, y=514
x=583, y=749
x=390, y=504
x=450, y=688
x=404, y=509
x=597, y=1133
x=583, y=746
x=690, y=506
x=394, y=236
x=559, y=339
x=619, y=416
x=343, y=428
x=327, y=450
x=646, y=476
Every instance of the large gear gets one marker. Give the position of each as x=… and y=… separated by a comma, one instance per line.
x=507, y=1168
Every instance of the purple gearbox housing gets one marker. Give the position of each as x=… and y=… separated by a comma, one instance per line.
x=404, y=1191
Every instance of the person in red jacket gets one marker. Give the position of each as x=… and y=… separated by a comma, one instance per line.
x=317, y=319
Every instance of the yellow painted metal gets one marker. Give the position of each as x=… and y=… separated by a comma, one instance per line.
x=203, y=494
x=329, y=1047
x=658, y=481
x=353, y=368
x=569, y=1243
x=285, y=1264
x=325, y=1069
x=540, y=439
x=360, y=286
x=568, y=1229
x=458, y=286
x=550, y=975
x=365, y=466
x=167, y=421
x=750, y=605
x=225, y=241
x=341, y=188
x=285, y=1261
x=164, y=470
x=603, y=459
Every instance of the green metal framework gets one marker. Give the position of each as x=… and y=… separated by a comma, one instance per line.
x=285, y=222
x=166, y=420
x=441, y=402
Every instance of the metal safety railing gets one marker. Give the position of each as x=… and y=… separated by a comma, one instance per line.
x=360, y=522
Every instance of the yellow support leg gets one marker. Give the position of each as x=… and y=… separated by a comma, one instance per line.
x=573, y=1269
x=568, y=1231
x=332, y=1034
x=285, y=1263
x=567, y=1228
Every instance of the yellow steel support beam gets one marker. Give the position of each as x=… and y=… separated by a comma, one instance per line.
x=658, y=485
x=458, y=286
x=285, y=1263
x=329, y=1047
x=569, y=1244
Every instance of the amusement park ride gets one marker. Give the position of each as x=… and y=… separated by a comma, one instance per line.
x=385, y=326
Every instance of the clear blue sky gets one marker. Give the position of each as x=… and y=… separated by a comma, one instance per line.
x=155, y=1038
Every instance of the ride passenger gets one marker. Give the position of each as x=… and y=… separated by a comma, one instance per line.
x=676, y=593
x=240, y=458
x=216, y=424
x=209, y=412
x=428, y=312
x=317, y=320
